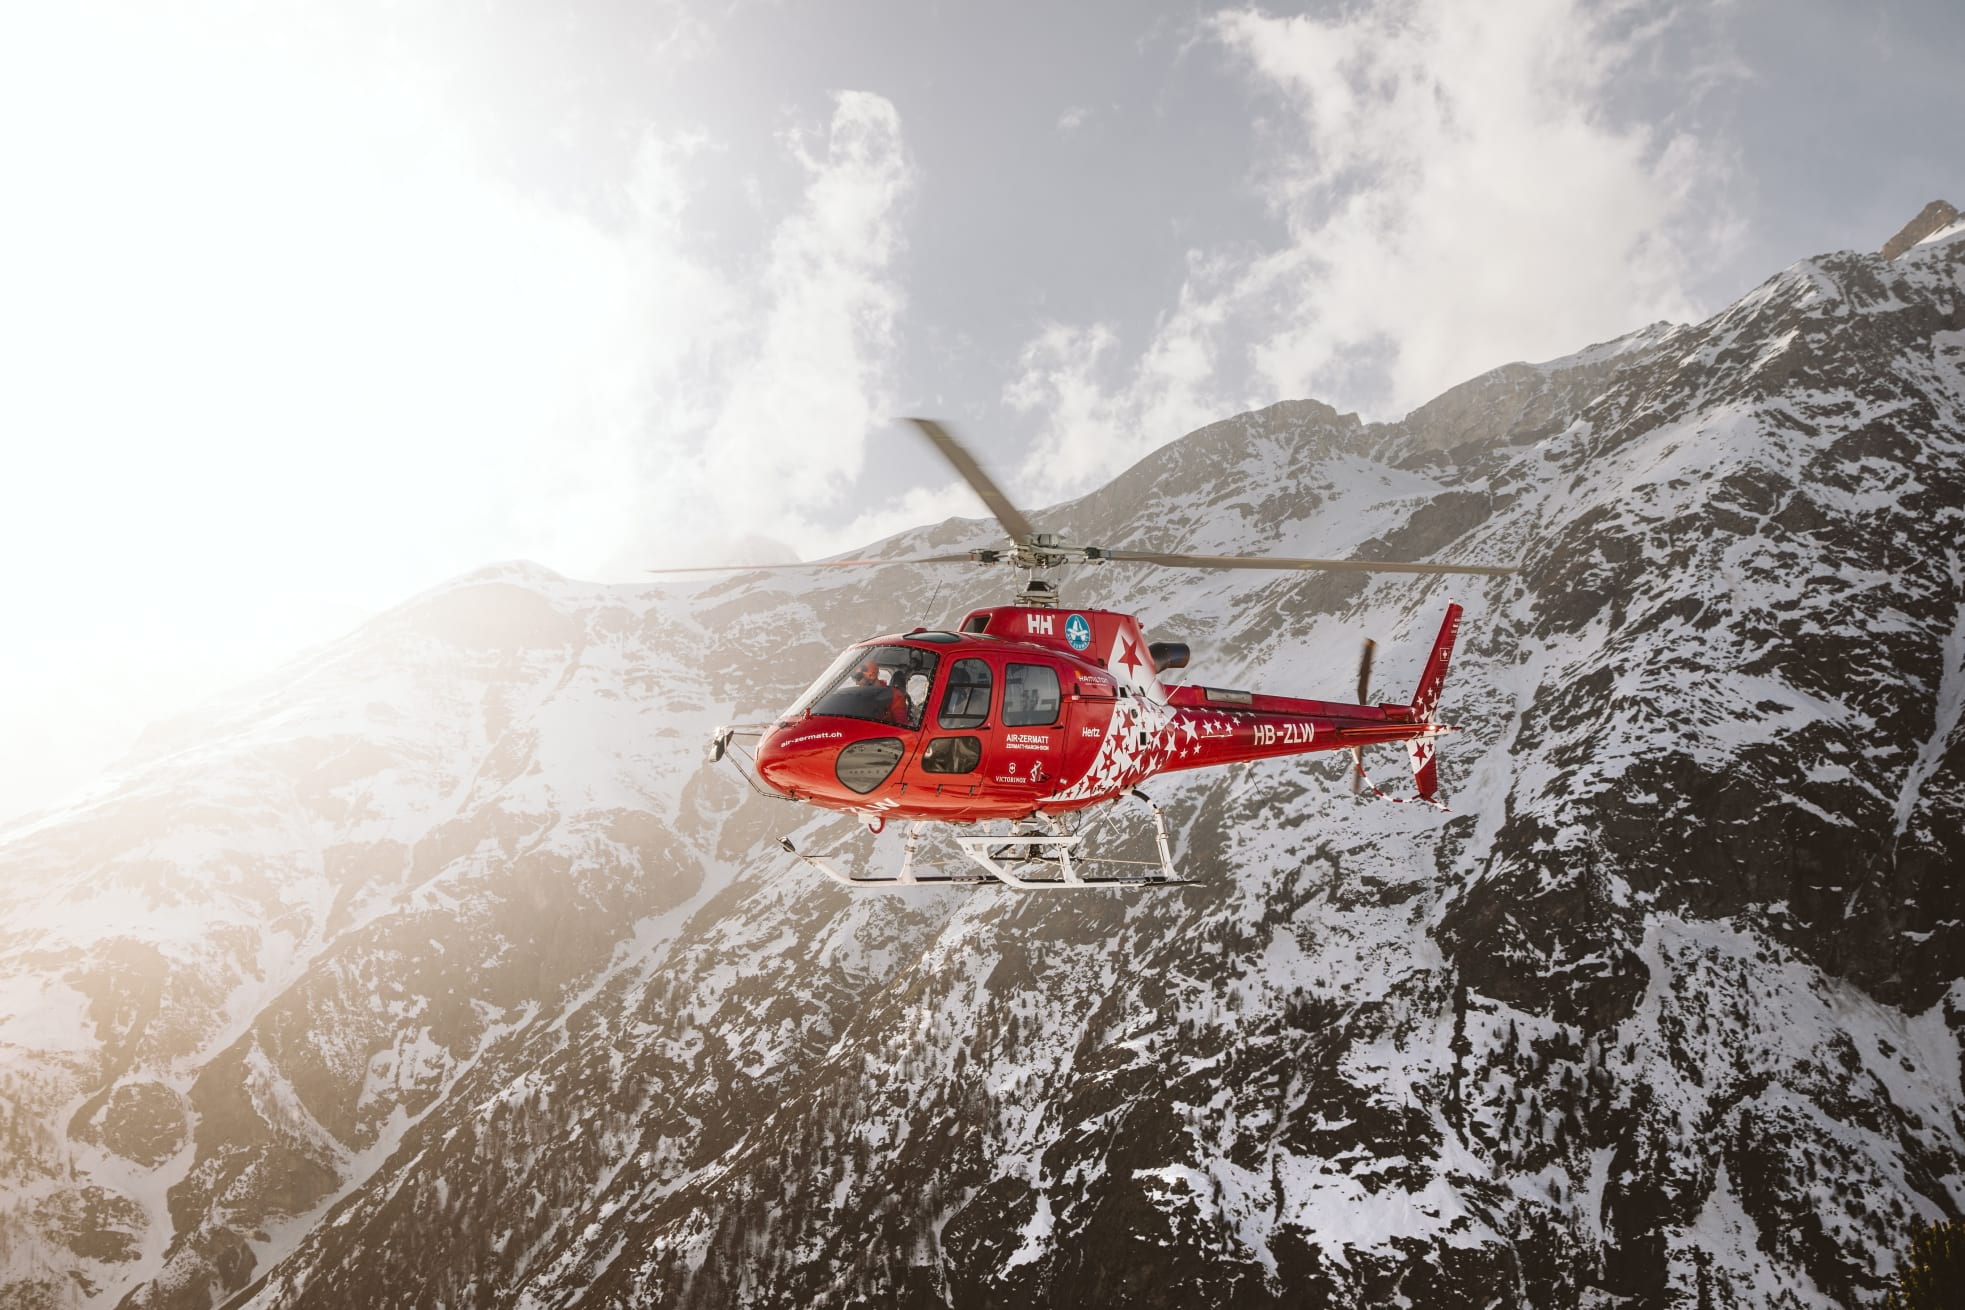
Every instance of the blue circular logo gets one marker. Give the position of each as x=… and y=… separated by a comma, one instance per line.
x=1078, y=631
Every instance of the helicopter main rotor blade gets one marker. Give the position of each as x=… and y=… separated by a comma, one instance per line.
x=817, y=564
x=1283, y=564
x=980, y=482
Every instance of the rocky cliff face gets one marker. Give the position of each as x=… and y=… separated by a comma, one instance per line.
x=438, y=970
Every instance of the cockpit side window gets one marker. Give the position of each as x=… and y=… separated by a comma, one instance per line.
x=965, y=704
x=882, y=684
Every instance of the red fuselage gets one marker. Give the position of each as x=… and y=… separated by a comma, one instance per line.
x=1027, y=710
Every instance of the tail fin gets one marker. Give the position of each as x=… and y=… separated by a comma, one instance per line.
x=1427, y=699
x=1423, y=750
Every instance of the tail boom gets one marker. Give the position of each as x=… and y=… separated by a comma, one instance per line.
x=1211, y=726
x=1204, y=737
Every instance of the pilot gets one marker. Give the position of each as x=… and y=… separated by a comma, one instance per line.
x=888, y=702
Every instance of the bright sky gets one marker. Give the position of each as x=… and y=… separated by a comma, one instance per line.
x=304, y=308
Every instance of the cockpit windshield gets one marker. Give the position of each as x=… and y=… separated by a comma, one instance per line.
x=883, y=684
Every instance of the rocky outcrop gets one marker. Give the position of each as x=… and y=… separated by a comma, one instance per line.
x=1934, y=217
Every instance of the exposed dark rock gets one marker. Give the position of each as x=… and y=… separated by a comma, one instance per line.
x=142, y=1121
x=1936, y=215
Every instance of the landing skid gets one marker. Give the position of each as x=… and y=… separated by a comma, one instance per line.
x=1026, y=859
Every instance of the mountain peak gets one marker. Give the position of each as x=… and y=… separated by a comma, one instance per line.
x=1934, y=216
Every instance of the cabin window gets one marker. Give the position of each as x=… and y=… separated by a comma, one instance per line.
x=1030, y=695
x=966, y=702
x=882, y=684
x=952, y=755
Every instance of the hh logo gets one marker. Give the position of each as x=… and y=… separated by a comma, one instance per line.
x=1038, y=625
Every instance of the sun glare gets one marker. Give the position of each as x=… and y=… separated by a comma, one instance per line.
x=281, y=351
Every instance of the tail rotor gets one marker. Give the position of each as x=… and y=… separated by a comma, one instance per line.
x=1421, y=714
x=1364, y=691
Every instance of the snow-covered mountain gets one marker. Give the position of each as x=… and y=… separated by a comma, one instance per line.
x=439, y=970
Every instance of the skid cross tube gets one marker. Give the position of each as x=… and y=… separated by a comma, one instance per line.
x=994, y=854
x=906, y=877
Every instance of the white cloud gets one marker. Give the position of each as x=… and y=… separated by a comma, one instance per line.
x=757, y=392
x=1456, y=192
x=793, y=426
x=1091, y=430
x=1463, y=196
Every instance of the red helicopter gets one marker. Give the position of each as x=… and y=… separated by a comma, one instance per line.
x=1040, y=718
